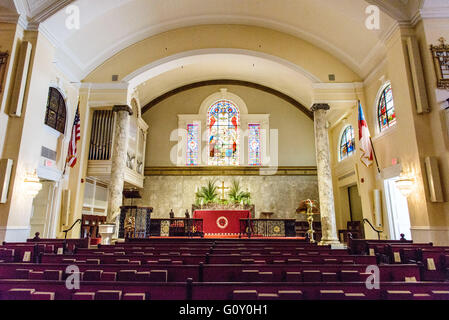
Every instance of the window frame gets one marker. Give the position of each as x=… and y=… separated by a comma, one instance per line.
x=340, y=145
x=61, y=112
x=378, y=114
x=210, y=160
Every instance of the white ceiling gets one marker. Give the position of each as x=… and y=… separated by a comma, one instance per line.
x=108, y=26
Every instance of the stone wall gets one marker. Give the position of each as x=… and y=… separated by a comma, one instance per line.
x=278, y=194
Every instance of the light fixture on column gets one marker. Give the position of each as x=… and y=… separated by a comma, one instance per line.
x=405, y=185
x=32, y=184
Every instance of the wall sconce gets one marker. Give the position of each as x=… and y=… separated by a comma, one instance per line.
x=33, y=184
x=405, y=185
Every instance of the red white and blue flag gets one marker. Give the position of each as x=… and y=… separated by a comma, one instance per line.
x=76, y=136
x=366, y=148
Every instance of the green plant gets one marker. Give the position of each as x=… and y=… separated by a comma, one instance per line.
x=236, y=195
x=207, y=194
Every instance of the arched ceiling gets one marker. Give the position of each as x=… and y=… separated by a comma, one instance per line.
x=108, y=26
x=227, y=64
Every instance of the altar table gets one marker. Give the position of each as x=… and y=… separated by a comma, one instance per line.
x=221, y=222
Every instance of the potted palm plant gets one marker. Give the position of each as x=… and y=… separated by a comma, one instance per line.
x=207, y=194
x=237, y=195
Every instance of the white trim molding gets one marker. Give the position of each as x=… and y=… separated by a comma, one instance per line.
x=439, y=235
x=15, y=234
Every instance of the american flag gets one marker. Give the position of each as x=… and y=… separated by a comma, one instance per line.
x=76, y=135
x=366, y=147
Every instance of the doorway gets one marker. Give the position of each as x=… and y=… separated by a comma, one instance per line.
x=42, y=219
x=355, y=204
x=398, y=213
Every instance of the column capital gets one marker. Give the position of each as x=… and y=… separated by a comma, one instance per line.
x=118, y=108
x=320, y=106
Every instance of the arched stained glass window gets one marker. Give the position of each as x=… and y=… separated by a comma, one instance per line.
x=385, y=109
x=224, y=125
x=347, y=143
x=56, y=112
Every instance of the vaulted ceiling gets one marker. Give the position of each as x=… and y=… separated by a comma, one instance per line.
x=109, y=26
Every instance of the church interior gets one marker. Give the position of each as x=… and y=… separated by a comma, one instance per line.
x=224, y=150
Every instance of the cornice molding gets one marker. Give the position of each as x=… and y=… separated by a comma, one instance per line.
x=229, y=171
x=46, y=13
x=124, y=107
x=14, y=18
x=337, y=86
x=320, y=106
x=105, y=86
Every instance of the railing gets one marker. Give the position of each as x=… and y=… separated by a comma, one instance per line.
x=267, y=227
x=372, y=227
x=64, y=246
x=176, y=228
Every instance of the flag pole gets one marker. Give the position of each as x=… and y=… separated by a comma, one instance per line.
x=372, y=145
x=374, y=153
x=65, y=167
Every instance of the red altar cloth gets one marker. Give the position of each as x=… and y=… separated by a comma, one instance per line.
x=221, y=222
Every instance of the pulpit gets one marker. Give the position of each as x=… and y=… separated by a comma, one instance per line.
x=135, y=222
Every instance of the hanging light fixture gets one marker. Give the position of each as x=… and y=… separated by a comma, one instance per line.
x=33, y=184
x=405, y=185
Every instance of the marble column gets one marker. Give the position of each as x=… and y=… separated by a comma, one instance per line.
x=119, y=151
x=325, y=187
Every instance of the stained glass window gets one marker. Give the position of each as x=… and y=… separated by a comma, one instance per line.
x=347, y=143
x=385, y=110
x=223, y=126
x=254, y=153
x=56, y=113
x=193, y=134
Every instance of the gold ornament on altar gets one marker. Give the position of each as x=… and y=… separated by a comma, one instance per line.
x=309, y=207
x=223, y=189
x=130, y=226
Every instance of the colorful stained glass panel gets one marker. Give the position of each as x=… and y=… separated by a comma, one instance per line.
x=223, y=126
x=347, y=143
x=385, y=110
x=254, y=152
x=193, y=141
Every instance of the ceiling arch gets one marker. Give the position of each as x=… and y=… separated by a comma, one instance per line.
x=109, y=26
x=253, y=85
x=162, y=76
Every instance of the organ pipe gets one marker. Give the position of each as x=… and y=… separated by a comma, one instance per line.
x=101, y=136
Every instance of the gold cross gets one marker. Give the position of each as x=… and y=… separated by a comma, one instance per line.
x=222, y=188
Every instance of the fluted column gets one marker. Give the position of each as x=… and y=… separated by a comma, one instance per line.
x=326, y=191
x=120, y=149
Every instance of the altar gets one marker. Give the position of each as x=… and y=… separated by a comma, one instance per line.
x=221, y=222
